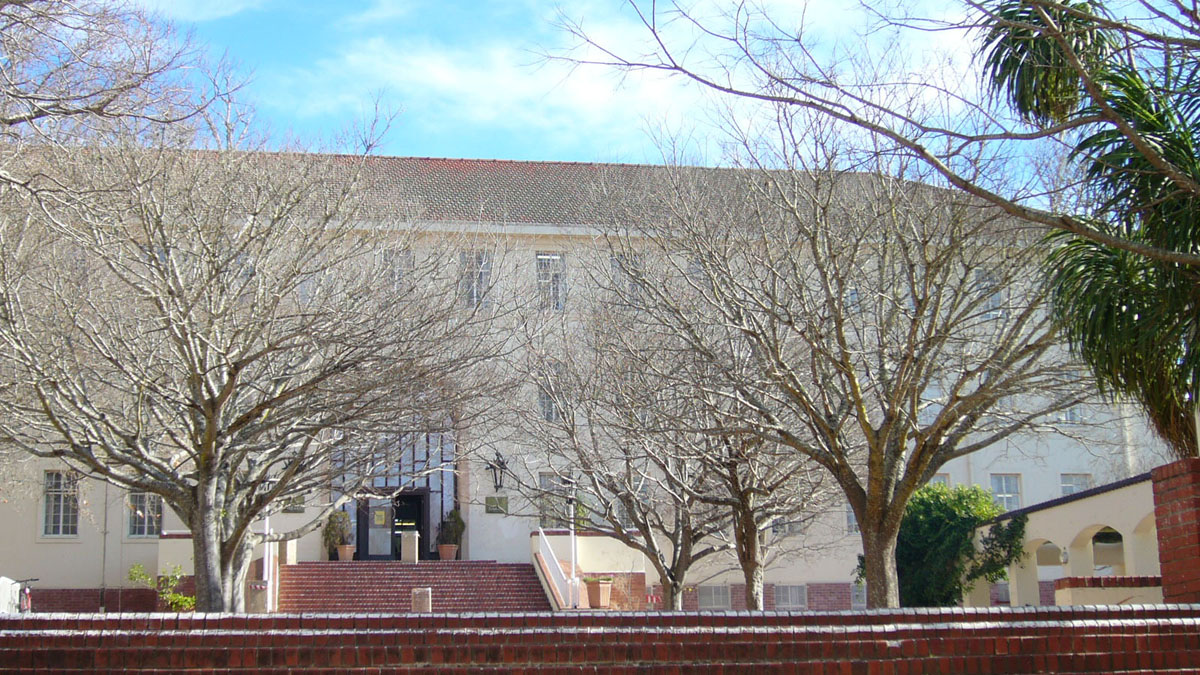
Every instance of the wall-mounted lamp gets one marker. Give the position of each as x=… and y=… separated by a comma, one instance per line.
x=497, y=466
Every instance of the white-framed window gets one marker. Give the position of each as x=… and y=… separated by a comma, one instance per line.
x=851, y=521
x=713, y=597
x=643, y=497
x=551, y=281
x=940, y=479
x=853, y=300
x=476, y=277
x=550, y=407
x=987, y=286
x=552, y=501
x=1006, y=490
x=397, y=266
x=145, y=514
x=60, y=504
x=1074, y=482
x=1072, y=415
x=624, y=277
x=785, y=528
x=858, y=595
x=791, y=596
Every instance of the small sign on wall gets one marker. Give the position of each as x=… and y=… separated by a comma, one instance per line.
x=495, y=505
x=380, y=517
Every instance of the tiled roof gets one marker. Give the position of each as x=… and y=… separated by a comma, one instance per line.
x=506, y=191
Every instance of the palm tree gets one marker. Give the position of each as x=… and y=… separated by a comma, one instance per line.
x=1133, y=320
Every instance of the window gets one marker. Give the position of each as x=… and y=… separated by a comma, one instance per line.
x=625, y=272
x=551, y=281
x=293, y=504
x=791, y=597
x=624, y=516
x=858, y=595
x=552, y=501
x=851, y=521
x=713, y=597
x=145, y=514
x=783, y=528
x=1006, y=490
x=60, y=507
x=476, y=277
x=940, y=479
x=397, y=266
x=1075, y=482
x=853, y=302
x=1072, y=415
x=987, y=286
x=549, y=402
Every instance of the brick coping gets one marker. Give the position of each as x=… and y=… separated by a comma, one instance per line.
x=955, y=615
x=1108, y=582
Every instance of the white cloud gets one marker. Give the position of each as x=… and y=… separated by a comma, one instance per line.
x=491, y=85
x=199, y=10
x=379, y=11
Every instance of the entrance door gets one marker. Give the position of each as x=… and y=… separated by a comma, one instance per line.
x=380, y=522
x=375, y=529
x=411, y=512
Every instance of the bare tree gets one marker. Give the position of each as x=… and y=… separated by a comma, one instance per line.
x=751, y=52
x=590, y=422
x=636, y=440
x=874, y=325
x=225, y=329
x=71, y=69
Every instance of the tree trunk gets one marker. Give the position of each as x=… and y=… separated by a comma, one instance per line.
x=747, y=538
x=879, y=556
x=754, y=586
x=672, y=595
x=206, y=554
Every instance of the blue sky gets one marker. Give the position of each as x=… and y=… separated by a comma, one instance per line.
x=464, y=76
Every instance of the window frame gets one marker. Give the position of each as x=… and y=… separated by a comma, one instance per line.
x=1075, y=489
x=147, y=521
x=475, y=277
x=550, y=269
x=64, y=492
x=1002, y=497
x=800, y=590
x=719, y=598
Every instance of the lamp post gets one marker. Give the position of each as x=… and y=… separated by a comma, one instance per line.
x=570, y=485
x=497, y=466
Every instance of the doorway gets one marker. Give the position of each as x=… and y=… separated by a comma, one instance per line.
x=382, y=520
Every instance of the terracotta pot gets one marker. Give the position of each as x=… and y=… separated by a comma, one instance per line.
x=447, y=551
x=599, y=594
x=346, y=552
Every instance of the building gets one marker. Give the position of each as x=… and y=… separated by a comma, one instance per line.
x=80, y=538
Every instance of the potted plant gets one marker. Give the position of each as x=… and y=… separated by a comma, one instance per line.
x=336, y=536
x=599, y=591
x=450, y=534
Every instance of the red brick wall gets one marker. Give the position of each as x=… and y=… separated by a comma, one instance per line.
x=1177, y=516
x=829, y=596
x=1046, y=592
x=628, y=591
x=88, y=599
x=1143, y=639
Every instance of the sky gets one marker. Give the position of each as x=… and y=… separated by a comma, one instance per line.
x=466, y=78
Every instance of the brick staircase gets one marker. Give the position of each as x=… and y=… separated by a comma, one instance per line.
x=1063, y=640
x=386, y=586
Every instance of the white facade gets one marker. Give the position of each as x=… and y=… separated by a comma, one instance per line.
x=1089, y=446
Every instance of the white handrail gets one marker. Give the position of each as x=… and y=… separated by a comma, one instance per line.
x=557, y=577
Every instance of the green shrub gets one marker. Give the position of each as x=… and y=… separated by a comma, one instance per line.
x=167, y=586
